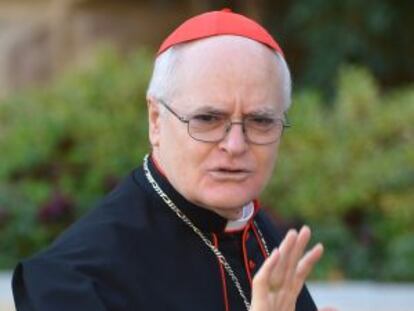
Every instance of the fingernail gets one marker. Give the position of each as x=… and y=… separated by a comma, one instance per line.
x=292, y=231
x=320, y=245
x=305, y=227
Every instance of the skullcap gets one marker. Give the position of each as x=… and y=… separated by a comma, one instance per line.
x=215, y=23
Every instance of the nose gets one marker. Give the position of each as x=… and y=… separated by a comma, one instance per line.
x=235, y=140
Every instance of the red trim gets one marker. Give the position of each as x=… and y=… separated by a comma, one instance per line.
x=223, y=277
x=245, y=259
x=256, y=206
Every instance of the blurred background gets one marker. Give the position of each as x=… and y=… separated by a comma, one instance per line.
x=73, y=76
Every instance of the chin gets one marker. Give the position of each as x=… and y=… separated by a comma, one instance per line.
x=226, y=200
x=225, y=195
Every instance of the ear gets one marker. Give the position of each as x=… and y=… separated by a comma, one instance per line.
x=154, y=116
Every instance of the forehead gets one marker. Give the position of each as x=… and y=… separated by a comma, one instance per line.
x=225, y=71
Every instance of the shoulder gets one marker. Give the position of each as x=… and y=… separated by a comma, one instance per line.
x=106, y=233
x=100, y=250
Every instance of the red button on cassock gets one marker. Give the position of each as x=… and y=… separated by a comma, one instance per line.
x=252, y=264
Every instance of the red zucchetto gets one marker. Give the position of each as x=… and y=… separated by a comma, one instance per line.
x=217, y=23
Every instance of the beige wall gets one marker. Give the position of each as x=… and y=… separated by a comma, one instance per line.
x=40, y=38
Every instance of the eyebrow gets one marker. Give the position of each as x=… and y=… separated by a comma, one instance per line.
x=262, y=112
x=209, y=109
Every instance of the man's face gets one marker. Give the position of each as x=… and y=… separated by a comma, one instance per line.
x=237, y=78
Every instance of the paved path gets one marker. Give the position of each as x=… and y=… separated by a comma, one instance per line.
x=6, y=298
x=345, y=296
x=364, y=296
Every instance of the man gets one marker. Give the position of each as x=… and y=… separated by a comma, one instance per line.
x=184, y=231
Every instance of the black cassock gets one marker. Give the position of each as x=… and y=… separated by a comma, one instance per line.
x=133, y=253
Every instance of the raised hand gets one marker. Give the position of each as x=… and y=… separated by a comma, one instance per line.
x=277, y=284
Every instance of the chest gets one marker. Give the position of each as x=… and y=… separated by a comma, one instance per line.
x=179, y=272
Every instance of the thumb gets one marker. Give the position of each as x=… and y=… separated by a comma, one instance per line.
x=328, y=309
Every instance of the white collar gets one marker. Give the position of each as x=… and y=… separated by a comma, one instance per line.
x=238, y=224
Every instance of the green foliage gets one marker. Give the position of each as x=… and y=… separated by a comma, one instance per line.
x=350, y=168
x=62, y=148
x=400, y=265
x=318, y=36
x=346, y=168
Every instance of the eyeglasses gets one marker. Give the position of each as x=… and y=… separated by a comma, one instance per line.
x=213, y=127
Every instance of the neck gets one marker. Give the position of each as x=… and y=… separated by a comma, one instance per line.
x=230, y=214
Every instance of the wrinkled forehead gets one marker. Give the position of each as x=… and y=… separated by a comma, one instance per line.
x=227, y=68
x=224, y=50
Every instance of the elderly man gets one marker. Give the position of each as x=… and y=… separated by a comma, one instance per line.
x=184, y=231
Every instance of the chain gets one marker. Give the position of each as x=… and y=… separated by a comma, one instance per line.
x=197, y=231
x=262, y=239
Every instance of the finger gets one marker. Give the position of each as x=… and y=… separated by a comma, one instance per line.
x=265, y=270
x=298, y=250
x=307, y=263
x=260, y=284
x=328, y=309
x=278, y=274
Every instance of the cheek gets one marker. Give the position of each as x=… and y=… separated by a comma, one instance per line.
x=184, y=157
x=266, y=161
x=194, y=156
x=173, y=141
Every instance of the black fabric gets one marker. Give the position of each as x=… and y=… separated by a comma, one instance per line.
x=133, y=253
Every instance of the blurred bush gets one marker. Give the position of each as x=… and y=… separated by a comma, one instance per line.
x=345, y=168
x=348, y=169
x=318, y=36
x=63, y=147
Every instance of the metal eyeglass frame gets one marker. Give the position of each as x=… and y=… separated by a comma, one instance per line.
x=285, y=123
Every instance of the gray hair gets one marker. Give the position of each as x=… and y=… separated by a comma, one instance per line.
x=162, y=81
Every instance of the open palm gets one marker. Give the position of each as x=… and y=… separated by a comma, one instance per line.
x=277, y=284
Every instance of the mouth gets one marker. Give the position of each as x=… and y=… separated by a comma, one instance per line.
x=229, y=174
x=231, y=170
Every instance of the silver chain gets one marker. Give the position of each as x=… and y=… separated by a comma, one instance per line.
x=197, y=231
x=262, y=239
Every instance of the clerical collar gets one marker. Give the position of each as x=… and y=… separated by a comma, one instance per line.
x=206, y=220
x=239, y=224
